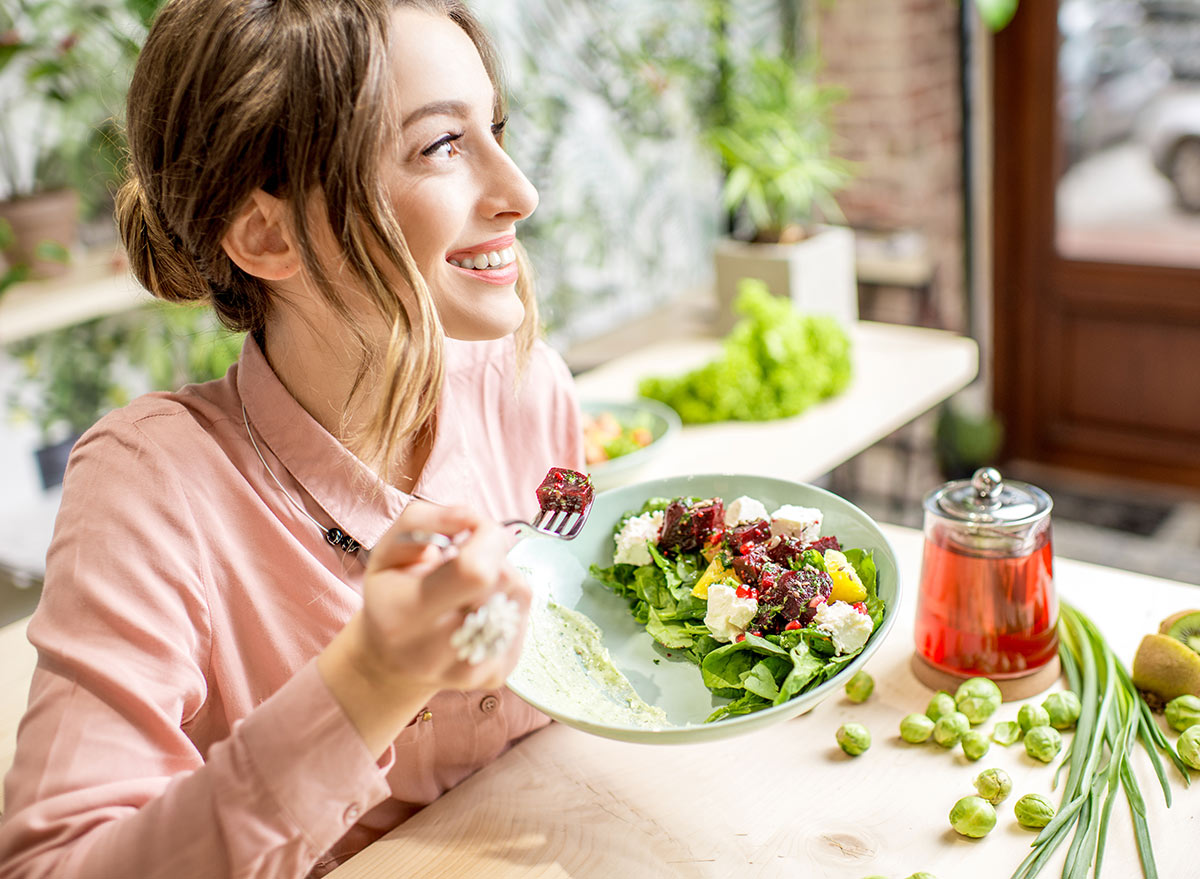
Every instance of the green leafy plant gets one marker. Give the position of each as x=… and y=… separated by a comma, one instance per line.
x=775, y=363
x=73, y=375
x=964, y=442
x=773, y=139
x=64, y=69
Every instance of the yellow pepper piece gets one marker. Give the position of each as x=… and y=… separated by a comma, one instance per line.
x=713, y=573
x=846, y=587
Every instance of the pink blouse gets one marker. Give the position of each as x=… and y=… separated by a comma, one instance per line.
x=177, y=726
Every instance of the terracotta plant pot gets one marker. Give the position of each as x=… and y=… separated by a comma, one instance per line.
x=47, y=216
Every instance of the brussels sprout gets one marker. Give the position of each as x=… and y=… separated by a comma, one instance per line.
x=860, y=687
x=950, y=728
x=973, y=817
x=1042, y=743
x=854, y=738
x=941, y=703
x=994, y=785
x=1063, y=709
x=977, y=698
x=916, y=728
x=1183, y=712
x=922, y=875
x=1032, y=715
x=974, y=744
x=1033, y=810
x=1188, y=746
x=1006, y=732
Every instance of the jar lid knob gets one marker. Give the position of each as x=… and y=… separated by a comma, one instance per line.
x=987, y=485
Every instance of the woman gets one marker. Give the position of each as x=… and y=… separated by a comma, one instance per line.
x=225, y=686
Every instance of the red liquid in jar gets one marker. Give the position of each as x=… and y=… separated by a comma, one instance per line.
x=988, y=616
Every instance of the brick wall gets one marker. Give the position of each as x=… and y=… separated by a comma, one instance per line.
x=898, y=61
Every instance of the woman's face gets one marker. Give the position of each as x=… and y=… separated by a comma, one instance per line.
x=456, y=193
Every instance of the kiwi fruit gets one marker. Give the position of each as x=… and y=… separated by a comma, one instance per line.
x=1184, y=627
x=1164, y=668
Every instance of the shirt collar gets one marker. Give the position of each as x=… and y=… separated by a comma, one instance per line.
x=353, y=496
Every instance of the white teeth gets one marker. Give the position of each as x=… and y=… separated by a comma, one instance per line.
x=489, y=260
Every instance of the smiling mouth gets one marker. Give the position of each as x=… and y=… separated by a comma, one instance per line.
x=492, y=259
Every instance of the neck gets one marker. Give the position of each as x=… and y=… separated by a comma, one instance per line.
x=318, y=361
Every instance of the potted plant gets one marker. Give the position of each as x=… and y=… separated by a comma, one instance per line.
x=964, y=440
x=69, y=380
x=773, y=139
x=63, y=73
x=72, y=376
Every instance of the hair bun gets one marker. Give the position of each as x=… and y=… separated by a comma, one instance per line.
x=157, y=257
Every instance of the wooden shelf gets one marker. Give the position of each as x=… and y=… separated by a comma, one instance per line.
x=97, y=284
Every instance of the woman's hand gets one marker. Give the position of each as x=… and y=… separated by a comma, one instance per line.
x=395, y=654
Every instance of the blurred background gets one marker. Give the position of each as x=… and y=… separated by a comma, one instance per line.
x=1026, y=174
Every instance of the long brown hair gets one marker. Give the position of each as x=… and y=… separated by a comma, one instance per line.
x=290, y=96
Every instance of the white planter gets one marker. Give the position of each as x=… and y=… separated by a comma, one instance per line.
x=816, y=273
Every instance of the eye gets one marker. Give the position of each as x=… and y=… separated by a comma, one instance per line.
x=444, y=147
x=498, y=129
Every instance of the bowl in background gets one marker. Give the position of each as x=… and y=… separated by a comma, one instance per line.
x=662, y=422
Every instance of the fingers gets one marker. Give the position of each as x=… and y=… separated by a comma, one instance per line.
x=466, y=580
x=397, y=548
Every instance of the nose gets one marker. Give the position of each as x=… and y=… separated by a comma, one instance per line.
x=507, y=191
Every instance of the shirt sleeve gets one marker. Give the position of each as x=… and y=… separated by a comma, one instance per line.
x=106, y=780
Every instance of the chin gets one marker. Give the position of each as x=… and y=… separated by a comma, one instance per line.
x=471, y=325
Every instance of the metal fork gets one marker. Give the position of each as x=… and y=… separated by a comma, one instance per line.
x=550, y=520
x=555, y=522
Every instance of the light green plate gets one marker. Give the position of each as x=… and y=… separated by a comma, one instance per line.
x=663, y=677
x=663, y=423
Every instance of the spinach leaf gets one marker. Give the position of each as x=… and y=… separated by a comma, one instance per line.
x=668, y=634
x=746, y=704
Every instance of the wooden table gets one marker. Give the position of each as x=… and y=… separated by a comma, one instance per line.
x=784, y=801
x=900, y=372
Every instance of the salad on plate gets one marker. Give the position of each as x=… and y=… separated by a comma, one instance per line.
x=762, y=602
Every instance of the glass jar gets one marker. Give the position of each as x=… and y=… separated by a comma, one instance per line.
x=987, y=604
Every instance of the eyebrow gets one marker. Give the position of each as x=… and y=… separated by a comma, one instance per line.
x=438, y=108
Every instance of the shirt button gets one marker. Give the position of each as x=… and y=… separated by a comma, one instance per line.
x=489, y=704
x=351, y=814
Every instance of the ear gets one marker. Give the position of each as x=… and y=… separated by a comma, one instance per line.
x=260, y=242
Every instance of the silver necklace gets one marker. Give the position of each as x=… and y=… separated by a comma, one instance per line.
x=335, y=536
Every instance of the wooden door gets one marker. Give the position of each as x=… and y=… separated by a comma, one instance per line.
x=1096, y=318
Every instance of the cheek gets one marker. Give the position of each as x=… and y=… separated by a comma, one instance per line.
x=430, y=223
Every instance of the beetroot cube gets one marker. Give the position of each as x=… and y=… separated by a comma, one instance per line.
x=564, y=489
x=687, y=527
x=787, y=550
x=748, y=533
x=748, y=565
x=787, y=597
x=823, y=543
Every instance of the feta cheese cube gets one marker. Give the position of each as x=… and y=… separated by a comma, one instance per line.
x=744, y=509
x=848, y=628
x=727, y=615
x=803, y=523
x=634, y=536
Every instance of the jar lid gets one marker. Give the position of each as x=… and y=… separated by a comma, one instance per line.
x=985, y=499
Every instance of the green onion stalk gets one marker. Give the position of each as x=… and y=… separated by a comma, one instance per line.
x=1113, y=720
